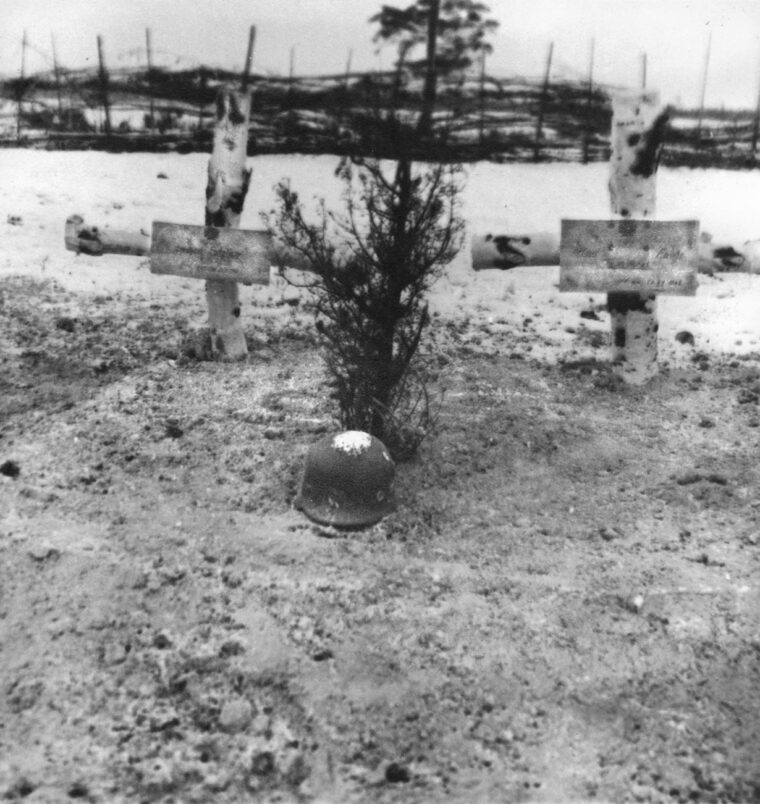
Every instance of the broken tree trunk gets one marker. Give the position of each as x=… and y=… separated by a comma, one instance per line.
x=226, y=190
x=638, y=127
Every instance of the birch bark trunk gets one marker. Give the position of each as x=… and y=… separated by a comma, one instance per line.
x=226, y=190
x=638, y=127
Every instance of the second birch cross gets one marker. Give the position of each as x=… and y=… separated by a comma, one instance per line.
x=634, y=257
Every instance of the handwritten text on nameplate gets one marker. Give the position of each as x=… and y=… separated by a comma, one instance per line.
x=208, y=252
x=629, y=255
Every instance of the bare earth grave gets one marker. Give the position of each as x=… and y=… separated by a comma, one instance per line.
x=565, y=607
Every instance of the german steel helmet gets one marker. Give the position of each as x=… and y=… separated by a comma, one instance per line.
x=347, y=481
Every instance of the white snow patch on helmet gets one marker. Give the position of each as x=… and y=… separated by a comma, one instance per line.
x=352, y=442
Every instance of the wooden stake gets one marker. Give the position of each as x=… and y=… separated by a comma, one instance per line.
x=149, y=53
x=248, y=59
x=57, y=74
x=348, y=69
x=589, y=103
x=756, y=125
x=542, y=104
x=104, y=87
x=346, y=96
x=638, y=127
x=425, y=121
x=291, y=73
x=482, y=119
x=21, y=90
x=201, y=87
x=227, y=187
x=704, y=88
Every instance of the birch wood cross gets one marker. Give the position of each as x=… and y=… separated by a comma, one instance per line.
x=633, y=258
x=227, y=187
x=218, y=251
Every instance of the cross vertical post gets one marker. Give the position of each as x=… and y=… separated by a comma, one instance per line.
x=638, y=124
x=226, y=190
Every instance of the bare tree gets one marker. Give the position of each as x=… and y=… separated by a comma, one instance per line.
x=454, y=33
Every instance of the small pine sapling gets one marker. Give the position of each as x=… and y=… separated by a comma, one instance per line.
x=370, y=269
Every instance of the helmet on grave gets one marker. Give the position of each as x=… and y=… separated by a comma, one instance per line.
x=347, y=481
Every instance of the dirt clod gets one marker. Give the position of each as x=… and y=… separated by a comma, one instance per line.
x=78, y=790
x=172, y=429
x=43, y=551
x=161, y=641
x=397, y=774
x=263, y=763
x=10, y=468
x=235, y=716
x=66, y=323
x=687, y=478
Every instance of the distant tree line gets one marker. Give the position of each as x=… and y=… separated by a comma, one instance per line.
x=439, y=80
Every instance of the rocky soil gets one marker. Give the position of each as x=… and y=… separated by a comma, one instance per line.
x=565, y=607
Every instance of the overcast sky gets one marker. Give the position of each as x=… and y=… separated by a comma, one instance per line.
x=673, y=34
